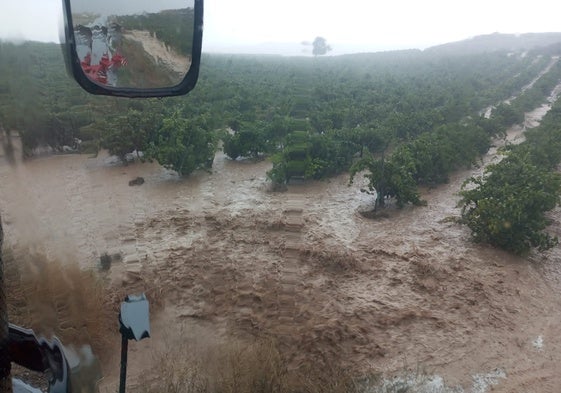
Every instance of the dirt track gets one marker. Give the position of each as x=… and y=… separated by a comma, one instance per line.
x=157, y=50
x=223, y=255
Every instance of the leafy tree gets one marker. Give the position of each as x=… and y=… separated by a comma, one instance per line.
x=342, y=106
x=505, y=207
x=278, y=173
x=312, y=156
x=390, y=179
x=246, y=143
x=507, y=115
x=320, y=46
x=278, y=128
x=231, y=145
x=183, y=145
x=371, y=138
x=133, y=131
x=436, y=154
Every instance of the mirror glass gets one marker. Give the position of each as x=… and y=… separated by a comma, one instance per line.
x=135, y=317
x=137, y=44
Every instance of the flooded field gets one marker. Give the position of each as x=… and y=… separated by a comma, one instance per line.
x=226, y=257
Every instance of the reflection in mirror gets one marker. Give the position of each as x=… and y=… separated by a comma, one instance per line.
x=134, y=43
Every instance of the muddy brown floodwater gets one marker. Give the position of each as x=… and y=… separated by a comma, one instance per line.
x=225, y=256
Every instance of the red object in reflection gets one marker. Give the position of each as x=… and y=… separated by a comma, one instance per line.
x=98, y=72
x=87, y=61
x=105, y=62
x=118, y=60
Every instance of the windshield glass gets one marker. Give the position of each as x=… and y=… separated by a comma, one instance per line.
x=355, y=197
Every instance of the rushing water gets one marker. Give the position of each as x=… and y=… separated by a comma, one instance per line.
x=404, y=290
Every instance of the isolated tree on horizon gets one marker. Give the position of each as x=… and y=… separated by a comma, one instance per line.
x=320, y=46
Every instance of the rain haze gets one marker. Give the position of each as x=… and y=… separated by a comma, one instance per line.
x=350, y=26
x=128, y=6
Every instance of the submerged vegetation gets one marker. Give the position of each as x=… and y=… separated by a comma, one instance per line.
x=506, y=206
x=403, y=119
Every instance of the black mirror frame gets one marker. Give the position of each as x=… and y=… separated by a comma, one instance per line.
x=73, y=63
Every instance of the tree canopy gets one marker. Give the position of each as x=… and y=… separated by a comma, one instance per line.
x=183, y=145
x=320, y=46
x=506, y=205
x=346, y=107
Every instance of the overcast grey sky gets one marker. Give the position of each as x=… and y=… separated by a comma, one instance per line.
x=360, y=24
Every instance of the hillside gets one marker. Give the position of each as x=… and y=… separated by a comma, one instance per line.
x=497, y=42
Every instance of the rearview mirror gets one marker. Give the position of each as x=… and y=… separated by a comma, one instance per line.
x=133, y=48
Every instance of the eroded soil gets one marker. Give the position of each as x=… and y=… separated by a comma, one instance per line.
x=226, y=257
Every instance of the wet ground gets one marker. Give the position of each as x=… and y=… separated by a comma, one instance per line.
x=225, y=256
